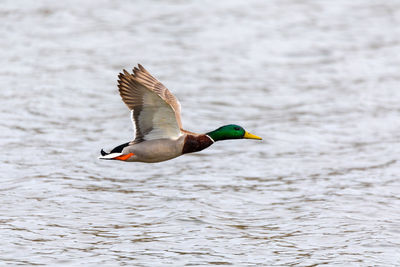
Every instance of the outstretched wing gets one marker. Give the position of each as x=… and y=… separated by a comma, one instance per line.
x=155, y=110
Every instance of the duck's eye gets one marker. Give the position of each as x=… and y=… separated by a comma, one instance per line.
x=237, y=128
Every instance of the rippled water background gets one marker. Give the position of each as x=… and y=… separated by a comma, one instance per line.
x=318, y=80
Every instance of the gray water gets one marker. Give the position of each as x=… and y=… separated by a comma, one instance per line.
x=318, y=80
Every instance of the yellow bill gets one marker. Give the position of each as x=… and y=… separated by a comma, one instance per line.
x=248, y=135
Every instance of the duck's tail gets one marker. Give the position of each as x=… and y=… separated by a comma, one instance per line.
x=116, y=152
x=105, y=155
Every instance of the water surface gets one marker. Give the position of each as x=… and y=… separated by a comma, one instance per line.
x=318, y=80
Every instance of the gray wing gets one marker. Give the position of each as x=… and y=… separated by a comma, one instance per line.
x=155, y=111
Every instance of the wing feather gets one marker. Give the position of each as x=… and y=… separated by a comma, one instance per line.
x=155, y=111
x=144, y=77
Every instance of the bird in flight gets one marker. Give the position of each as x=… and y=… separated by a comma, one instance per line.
x=156, y=115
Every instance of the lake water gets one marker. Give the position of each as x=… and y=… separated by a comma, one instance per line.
x=318, y=80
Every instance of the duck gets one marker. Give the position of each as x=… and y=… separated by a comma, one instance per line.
x=156, y=116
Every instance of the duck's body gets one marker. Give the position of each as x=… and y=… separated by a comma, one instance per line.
x=156, y=116
x=162, y=149
x=155, y=150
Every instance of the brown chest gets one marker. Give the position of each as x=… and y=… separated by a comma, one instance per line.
x=196, y=143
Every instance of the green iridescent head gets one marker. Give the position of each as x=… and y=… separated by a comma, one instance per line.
x=231, y=131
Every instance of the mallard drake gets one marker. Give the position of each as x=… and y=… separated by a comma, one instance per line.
x=156, y=114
